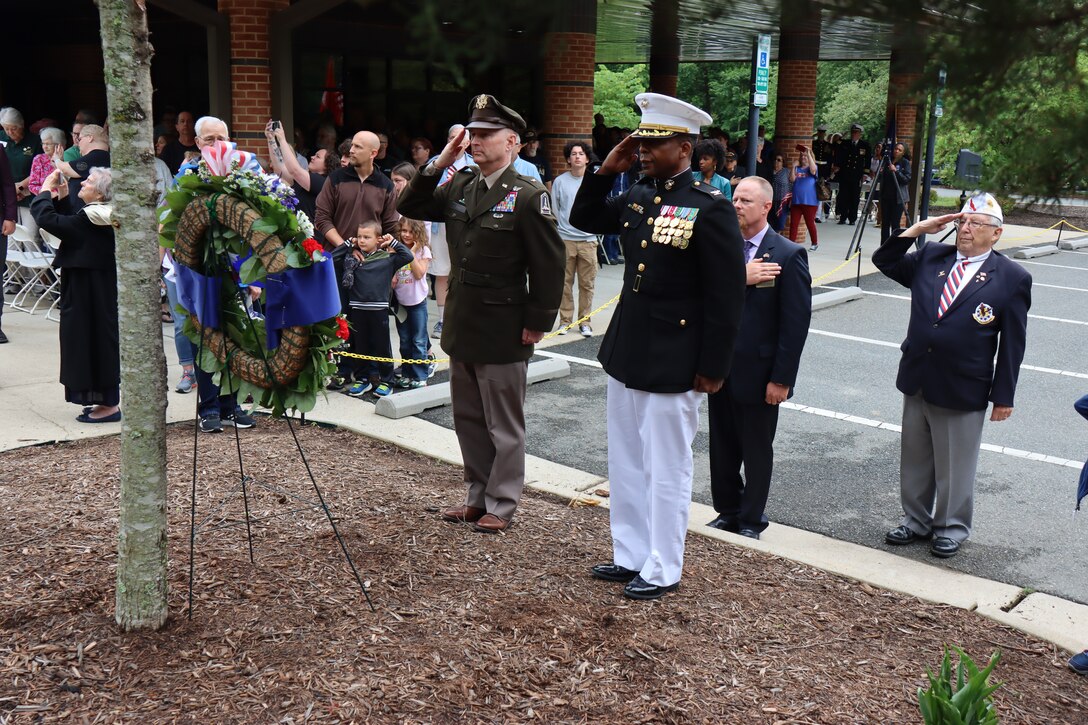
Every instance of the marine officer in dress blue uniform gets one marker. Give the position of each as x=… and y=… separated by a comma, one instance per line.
x=671, y=337
x=969, y=304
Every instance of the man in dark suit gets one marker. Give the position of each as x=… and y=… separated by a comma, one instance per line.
x=773, y=329
x=968, y=304
x=853, y=162
x=670, y=339
x=505, y=284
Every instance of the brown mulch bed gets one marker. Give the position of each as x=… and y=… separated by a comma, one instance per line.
x=468, y=626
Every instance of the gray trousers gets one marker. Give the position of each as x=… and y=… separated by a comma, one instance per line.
x=489, y=419
x=937, y=467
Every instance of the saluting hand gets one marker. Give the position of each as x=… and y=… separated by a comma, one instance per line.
x=453, y=150
x=933, y=225
x=621, y=156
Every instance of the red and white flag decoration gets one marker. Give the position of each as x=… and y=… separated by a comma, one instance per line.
x=332, y=100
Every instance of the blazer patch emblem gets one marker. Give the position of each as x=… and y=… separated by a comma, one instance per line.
x=984, y=314
x=545, y=204
x=507, y=204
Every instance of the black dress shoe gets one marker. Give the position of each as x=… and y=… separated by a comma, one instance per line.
x=723, y=524
x=944, y=547
x=3, y=337
x=613, y=573
x=901, y=535
x=749, y=533
x=639, y=588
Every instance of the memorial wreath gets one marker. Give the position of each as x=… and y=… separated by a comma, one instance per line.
x=231, y=228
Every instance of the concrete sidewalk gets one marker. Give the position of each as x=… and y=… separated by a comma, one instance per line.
x=33, y=411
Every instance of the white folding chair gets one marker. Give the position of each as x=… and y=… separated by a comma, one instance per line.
x=14, y=274
x=35, y=265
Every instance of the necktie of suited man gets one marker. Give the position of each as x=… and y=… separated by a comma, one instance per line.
x=955, y=277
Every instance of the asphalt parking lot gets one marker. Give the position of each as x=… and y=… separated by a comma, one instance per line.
x=837, y=450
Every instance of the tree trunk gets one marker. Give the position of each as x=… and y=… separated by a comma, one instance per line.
x=141, y=546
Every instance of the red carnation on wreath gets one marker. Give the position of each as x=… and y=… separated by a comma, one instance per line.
x=313, y=248
x=341, y=326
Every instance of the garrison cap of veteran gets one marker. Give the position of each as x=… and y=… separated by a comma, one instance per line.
x=665, y=117
x=485, y=112
x=984, y=204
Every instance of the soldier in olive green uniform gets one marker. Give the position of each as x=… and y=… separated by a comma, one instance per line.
x=505, y=287
x=670, y=339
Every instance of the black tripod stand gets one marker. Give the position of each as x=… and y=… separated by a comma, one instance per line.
x=214, y=268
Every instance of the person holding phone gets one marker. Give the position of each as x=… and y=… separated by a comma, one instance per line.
x=804, y=201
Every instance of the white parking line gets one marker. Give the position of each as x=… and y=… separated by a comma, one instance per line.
x=885, y=343
x=1046, y=264
x=1035, y=284
x=1031, y=316
x=882, y=425
x=569, y=358
x=870, y=423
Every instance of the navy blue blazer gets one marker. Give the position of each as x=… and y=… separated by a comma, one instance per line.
x=951, y=360
x=774, y=324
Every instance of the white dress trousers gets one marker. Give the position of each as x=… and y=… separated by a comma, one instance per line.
x=650, y=469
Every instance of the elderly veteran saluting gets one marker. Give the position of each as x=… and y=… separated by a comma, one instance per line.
x=505, y=283
x=968, y=304
x=671, y=336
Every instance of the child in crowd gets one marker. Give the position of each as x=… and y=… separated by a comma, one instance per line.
x=410, y=288
x=368, y=271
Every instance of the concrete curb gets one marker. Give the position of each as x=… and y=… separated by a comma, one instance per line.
x=823, y=300
x=1033, y=252
x=1074, y=243
x=415, y=401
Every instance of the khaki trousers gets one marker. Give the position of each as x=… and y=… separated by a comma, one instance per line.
x=489, y=419
x=581, y=260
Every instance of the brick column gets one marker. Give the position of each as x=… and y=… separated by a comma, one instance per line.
x=906, y=107
x=251, y=80
x=664, y=46
x=569, y=63
x=798, y=58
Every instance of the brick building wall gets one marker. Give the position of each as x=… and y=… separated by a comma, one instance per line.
x=798, y=59
x=251, y=81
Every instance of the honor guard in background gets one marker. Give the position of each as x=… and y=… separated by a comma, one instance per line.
x=854, y=156
x=671, y=336
x=965, y=342
x=506, y=280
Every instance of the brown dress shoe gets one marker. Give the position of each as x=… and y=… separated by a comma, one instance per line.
x=491, y=524
x=463, y=514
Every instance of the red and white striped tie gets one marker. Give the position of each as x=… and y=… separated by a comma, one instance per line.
x=955, y=277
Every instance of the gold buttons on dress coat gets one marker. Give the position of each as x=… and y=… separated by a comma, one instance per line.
x=641, y=267
x=650, y=220
x=643, y=243
x=657, y=199
x=683, y=323
x=696, y=183
x=626, y=224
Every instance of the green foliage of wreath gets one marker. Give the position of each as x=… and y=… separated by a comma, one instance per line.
x=275, y=203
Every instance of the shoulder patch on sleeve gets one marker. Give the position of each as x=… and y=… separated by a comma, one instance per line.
x=545, y=204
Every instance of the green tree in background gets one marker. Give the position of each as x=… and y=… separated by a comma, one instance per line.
x=614, y=90
x=852, y=92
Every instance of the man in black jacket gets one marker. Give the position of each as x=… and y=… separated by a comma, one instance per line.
x=670, y=339
x=773, y=329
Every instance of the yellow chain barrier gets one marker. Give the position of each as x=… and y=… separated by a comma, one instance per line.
x=822, y=277
x=617, y=297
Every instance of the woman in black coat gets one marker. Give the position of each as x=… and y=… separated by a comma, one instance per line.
x=90, y=359
x=894, y=191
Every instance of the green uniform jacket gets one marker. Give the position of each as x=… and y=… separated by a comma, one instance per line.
x=507, y=260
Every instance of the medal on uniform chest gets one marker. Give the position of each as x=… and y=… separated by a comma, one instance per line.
x=675, y=225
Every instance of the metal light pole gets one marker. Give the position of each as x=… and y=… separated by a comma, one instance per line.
x=931, y=142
